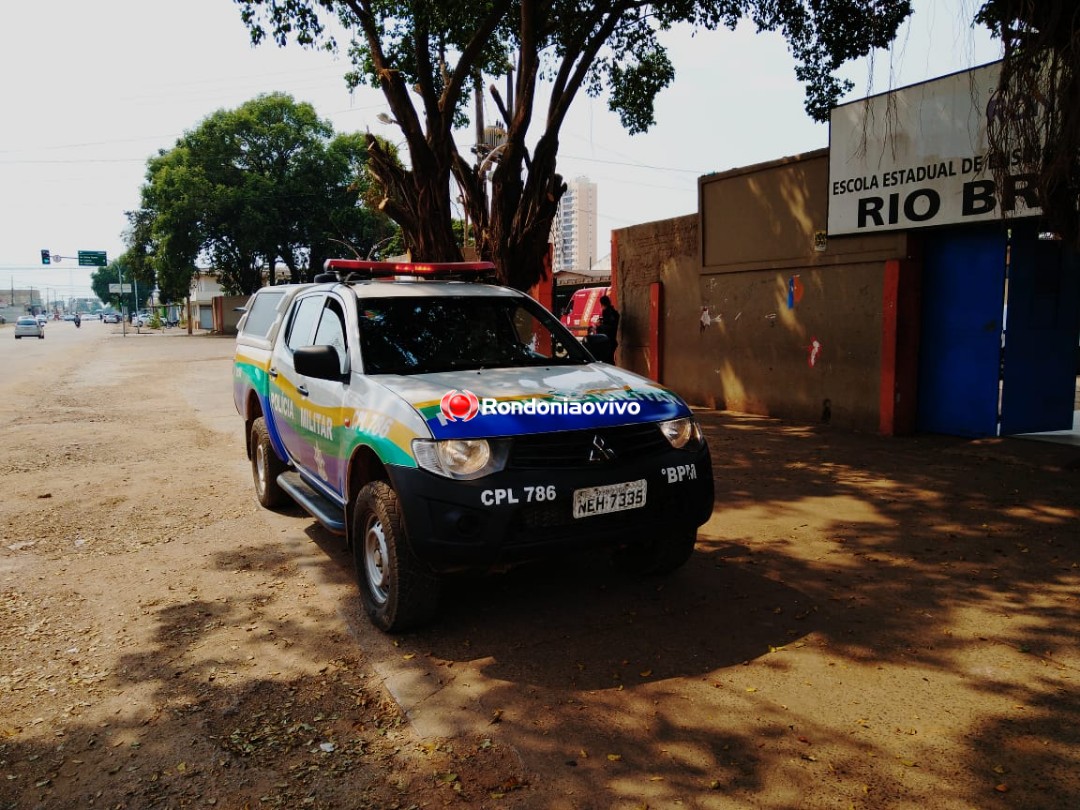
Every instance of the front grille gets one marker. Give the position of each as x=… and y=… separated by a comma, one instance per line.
x=575, y=448
x=546, y=522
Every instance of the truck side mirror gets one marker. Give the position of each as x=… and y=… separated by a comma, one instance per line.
x=320, y=362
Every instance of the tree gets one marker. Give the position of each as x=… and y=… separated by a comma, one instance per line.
x=102, y=277
x=426, y=55
x=1036, y=120
x=250, y=188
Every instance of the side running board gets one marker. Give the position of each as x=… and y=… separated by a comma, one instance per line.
x=328, y=513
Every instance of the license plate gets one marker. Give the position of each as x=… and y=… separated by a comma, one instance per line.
x=611, y=498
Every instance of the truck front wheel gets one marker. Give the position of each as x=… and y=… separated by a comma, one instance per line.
x=266, y=467
x=398, y=593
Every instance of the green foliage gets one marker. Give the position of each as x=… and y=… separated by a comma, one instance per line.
x=427, y=55
x=265, y=184
x=634, y=88
x=102, y=277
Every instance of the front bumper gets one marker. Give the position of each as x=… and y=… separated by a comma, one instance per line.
x=522, y=514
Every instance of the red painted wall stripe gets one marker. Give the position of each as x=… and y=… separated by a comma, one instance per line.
x=889, y=327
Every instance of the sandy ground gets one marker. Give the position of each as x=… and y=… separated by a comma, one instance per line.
x=868, y=622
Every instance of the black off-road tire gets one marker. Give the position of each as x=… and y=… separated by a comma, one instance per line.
x=659, y=554
x=266, y=467
x=398, y=592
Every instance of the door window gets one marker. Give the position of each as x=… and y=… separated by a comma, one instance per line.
x=303, y=322
x=331, y=332
x=262, y=312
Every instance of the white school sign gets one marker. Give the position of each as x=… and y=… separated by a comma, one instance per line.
x=919, y=157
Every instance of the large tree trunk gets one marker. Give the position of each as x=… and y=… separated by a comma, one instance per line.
x=316, y=258
x=270, y=255
x=519, y=232
x=419, y=201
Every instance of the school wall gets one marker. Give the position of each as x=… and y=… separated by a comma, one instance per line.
x=759, y=313
x=665, y=251
x=227, y=312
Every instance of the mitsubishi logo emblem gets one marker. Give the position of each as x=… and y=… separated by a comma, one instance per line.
x=600, y=451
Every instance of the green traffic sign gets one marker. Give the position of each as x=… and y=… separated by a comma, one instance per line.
x=92, y=258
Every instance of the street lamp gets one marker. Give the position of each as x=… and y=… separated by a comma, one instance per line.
x=123, y=301
x=379, y=244
x=355, y=252
x=493, y=154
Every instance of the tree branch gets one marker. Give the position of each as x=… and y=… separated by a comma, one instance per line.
x=570, y=77
x=471, y=53
x=390, y=79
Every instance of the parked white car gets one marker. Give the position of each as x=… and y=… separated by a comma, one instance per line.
x=29, y=327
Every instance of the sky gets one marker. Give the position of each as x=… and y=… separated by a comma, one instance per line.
x=91, y=90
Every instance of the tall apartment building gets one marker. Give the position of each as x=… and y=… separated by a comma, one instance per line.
x=573, y=233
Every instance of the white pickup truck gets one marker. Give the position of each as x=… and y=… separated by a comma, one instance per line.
x=441, y=423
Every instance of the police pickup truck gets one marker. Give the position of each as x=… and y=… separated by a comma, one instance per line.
x=442, y=423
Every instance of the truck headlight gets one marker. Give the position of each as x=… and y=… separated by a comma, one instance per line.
x=464, y=459
x=682, y=433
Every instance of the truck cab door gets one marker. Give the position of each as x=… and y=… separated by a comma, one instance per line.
x=316, y=432
x=283, y=383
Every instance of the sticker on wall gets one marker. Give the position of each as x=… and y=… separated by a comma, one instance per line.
x=707, y=320
x=794, y=291
x=814, y=350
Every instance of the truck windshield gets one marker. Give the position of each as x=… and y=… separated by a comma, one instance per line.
x=416, y=335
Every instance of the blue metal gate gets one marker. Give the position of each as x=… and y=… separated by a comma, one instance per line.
x=1039, y=381
x=963, y=290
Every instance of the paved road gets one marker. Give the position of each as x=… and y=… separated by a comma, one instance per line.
x=868, y=622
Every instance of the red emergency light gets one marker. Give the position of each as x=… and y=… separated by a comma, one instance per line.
x=360, y=269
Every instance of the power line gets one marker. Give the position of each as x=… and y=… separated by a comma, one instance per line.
x=77, y=161
x=634, y=164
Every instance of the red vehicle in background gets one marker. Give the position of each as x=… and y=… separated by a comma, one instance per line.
x=582, y=314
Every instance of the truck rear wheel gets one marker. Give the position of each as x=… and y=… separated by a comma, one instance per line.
x=266, y=467
x=398, y=593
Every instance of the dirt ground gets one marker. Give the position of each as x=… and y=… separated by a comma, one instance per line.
x=868, y=623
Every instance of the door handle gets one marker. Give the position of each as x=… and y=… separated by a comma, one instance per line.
x=272, y=372
x=302, y=390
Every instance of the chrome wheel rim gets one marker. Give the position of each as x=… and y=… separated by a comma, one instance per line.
x=260, y=467
x=376, y=555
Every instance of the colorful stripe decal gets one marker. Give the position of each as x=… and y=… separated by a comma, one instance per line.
x=591, y=409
